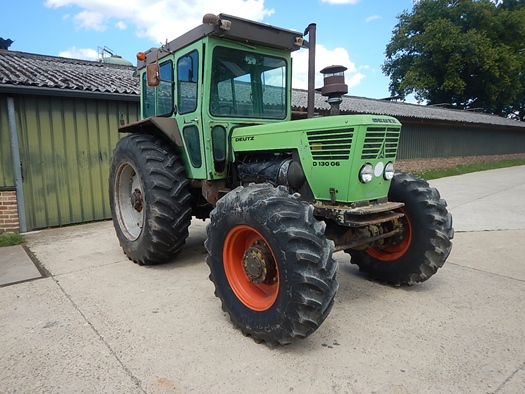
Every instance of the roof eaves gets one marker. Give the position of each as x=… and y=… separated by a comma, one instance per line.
x=57, y=92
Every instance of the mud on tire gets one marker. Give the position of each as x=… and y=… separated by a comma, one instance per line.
x=426, y=243
x=149, y=199
x=292, y=290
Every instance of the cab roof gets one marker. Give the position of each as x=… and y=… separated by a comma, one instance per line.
x=239, y=30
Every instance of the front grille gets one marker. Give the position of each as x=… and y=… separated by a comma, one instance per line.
x=331, y=144
x=381, y=143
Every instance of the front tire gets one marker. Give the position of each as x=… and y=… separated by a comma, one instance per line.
x=425, y=243
x=271, y=264
x=149, y=199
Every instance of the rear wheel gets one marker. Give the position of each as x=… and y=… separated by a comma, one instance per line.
x=271, y=264
x=424, y=245
x=149, y=199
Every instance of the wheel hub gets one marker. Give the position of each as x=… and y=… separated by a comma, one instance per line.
x=258, y=264
x=136, y=200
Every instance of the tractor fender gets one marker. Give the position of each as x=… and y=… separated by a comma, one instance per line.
x=154, y=125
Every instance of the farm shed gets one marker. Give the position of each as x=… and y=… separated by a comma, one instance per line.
x=58, y=122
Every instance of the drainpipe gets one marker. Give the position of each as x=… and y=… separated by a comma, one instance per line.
x=16, y=165
x=311, y=32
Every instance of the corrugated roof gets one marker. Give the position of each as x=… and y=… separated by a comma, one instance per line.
x=32, y=70
x=26, y=69
x=397, y=109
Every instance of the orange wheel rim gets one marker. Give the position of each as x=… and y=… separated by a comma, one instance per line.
x=238, y=243
x=393, y=252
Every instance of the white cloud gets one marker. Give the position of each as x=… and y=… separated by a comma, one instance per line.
x=354, y=80
x=324, y=57
x=340, y=1
x=90, y=20
x=121, y=25
x=80, y=53
x=372, y=18
x=158, y=20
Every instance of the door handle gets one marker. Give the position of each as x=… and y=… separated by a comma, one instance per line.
x=196, y=120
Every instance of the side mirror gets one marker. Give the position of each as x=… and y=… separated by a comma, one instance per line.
x=152, y=74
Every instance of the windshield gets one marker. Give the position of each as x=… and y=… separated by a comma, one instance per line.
x=246, y=84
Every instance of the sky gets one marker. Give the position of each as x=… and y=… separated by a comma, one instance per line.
x=352, y=33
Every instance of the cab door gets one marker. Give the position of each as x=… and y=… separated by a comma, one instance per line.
x=188, y=112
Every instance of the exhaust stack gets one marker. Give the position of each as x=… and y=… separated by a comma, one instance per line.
x=334, y=87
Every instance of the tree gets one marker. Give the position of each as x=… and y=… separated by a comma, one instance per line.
x=467, y=53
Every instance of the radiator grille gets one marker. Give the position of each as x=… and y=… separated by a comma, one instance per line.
x=381, y=143
x=331, y=144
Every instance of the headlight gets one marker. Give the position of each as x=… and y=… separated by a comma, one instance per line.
x=389, y=171
x=366, y=173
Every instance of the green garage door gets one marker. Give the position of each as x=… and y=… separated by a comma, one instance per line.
x=65, y=148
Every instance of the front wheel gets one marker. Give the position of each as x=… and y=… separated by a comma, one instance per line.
x=424, y=245
x=271, y=264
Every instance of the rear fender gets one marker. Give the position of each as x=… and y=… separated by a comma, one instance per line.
x=155, y=125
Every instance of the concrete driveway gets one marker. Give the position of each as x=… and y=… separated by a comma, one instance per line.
x=101, y=324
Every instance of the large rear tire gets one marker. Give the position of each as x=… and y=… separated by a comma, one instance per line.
x=271, y=264
x=425, y=243
x=149, y=199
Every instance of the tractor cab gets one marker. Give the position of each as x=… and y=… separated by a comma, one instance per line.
x=224, y=74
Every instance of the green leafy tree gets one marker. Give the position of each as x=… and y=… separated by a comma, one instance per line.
x=467, y=53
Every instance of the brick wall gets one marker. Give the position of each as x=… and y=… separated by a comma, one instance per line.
x=8, y=212
x=449, y=162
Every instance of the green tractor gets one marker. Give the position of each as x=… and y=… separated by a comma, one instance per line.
x=216, y=141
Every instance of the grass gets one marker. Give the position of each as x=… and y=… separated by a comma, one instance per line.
x=465, y=169
x=11, y=239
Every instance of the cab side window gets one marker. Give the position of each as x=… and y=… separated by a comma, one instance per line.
x=158, y=101
x=187, y=82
